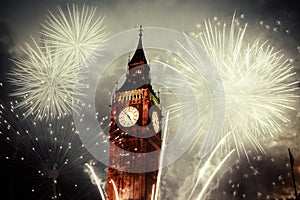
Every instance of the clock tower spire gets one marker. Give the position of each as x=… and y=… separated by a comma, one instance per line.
x=139, y=55
x=138, y=71
x=135, y=130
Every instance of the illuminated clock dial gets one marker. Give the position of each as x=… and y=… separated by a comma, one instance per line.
x=155, y=121
x=128, y=116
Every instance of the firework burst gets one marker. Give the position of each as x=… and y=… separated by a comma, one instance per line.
x=76, y=33
x=258, y=81
x=45, y=77
x=45, y=81
x=51, y=153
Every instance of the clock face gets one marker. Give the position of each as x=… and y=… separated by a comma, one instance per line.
x=128, y=116
x=155, y=121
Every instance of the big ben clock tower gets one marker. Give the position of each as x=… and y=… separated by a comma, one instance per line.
x=135, y=134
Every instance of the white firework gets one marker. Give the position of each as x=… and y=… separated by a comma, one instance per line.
x=76, y=33
x=46, y=76
x=259, y=83
x=45, y=81
x=50, y=153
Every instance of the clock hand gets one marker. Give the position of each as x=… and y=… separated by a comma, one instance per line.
x=128, y=117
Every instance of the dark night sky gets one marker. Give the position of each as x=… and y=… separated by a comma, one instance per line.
x=21, y=19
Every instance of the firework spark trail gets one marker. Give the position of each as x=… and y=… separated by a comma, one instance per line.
x=207, y=162
x=76, y=33
x=115, y=189
x=259, y=83
x=161, y=156
x=213, y=174
x=94, y=176
x=45, y=82
x=153, y=192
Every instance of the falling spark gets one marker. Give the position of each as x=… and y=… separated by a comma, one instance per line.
x=76, y=33
x=94, y=176
x=45, y=82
